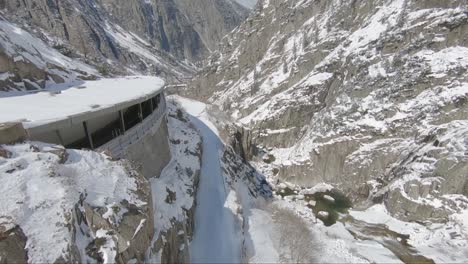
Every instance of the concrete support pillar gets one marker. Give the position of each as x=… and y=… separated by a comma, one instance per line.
x=140, y=112
x=60, y=137
x=122, y=121
x=88, y=135
x=152, y=106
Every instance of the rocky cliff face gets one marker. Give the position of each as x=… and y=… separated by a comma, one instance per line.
x=367, y=95
x=174, y=192
x=117, y=37
x=187, y=29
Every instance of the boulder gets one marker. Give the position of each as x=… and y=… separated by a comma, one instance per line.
x=4, y=153
x=11, y=133
x=12, y=244
x=323, y=215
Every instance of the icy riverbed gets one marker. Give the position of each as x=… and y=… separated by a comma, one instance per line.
x=215, y=238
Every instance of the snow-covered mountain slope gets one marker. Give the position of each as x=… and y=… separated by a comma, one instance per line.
x=28, y=62
x=367, y=95
x=44, y=41
x=62, y=205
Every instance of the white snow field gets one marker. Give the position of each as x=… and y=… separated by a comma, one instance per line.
x=216, y=239
x=63, y=101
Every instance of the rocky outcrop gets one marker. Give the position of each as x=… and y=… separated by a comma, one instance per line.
x=129, y=236
x=22, y=73
x=11, y=133
x=354, y=93
x=63, y=205
x=237, y=169
x=12, y=244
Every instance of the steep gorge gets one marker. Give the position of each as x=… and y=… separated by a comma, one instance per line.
x=366, y=95
x=45, y=43
x=354, y=111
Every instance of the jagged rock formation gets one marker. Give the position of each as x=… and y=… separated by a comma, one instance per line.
x=367, y=95
x=118, y=37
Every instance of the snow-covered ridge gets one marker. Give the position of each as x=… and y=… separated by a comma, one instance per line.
x=134, y=44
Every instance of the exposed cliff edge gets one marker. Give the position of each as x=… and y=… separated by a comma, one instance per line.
x=174, y=192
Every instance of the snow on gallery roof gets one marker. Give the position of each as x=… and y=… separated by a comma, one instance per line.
x=76, y=102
